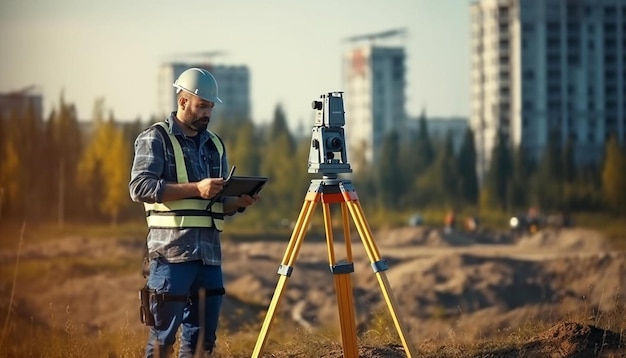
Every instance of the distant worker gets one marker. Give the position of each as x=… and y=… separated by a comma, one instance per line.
x=471, y=223
x=449, y=221
x=178, y=167
x=533, y=219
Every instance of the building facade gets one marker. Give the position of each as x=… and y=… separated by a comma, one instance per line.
x=548, y=70
x=233, y=89
x=21, y=102
x=374, y=98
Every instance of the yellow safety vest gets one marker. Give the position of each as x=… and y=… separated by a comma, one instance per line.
x=186, y=213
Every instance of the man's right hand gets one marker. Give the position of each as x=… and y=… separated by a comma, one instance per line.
x=210, y=187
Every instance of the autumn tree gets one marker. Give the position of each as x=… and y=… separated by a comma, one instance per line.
x=24, y=182
x=9, y=170
x=103, y=170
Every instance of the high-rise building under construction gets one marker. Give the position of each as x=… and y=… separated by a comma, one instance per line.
x=374, y=100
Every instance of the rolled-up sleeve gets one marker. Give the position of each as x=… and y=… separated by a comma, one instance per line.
x=146, y=182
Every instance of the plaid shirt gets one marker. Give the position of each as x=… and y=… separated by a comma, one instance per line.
x=153, y=166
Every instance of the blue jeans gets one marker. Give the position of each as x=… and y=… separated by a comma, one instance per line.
x=179, y=279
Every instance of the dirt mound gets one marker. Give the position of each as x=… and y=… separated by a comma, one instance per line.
x=422, y=236
x=575, y=239
x=576, y=340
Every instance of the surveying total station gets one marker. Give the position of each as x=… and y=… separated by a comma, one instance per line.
x=328, y=156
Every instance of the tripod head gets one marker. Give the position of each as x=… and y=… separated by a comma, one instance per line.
x=327, y=154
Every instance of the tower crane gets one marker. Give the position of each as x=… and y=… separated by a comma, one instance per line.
x=203, y=56
x=401, y=32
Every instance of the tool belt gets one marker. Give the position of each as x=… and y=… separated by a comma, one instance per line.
x=147, y=295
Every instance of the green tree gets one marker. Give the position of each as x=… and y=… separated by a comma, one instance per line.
x=243, y=149
x=468, y=179
x=547, y=182
x=63, y=149
x=614, y=176
x=389, y=182
x=440, y=182
x=423, y=151
x=568, y=164
x=499, y=174
x=278, y=164
x=521, y=175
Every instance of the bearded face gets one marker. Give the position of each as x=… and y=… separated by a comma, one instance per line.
x=199, y=123
x=197, y=113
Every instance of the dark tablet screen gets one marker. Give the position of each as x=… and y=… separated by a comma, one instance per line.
x=239, y=185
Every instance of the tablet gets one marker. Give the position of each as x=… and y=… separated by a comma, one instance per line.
x=239, y=185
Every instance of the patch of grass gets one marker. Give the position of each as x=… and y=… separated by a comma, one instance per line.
x=68, y=267
x=612, y=227
x=35, y=233
x=27, y=338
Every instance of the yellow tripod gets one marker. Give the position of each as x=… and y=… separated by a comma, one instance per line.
x=332, y=190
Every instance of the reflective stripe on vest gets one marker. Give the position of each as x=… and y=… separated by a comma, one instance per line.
x=185, y=213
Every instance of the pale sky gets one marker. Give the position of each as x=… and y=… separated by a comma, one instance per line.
x=293, y=48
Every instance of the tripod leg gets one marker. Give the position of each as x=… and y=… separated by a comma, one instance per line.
x=285, y=270
x=343, y=289
x=379, y=267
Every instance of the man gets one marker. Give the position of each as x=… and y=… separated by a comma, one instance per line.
x=178, y=171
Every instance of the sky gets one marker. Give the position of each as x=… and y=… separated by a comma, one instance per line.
x=84, y=50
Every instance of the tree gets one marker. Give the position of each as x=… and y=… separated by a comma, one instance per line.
x=10, y=187
x=547, y=183
x=389, y=182
x=243, y=149
x=422, y=151
x=468, y=178
x=440, y=182
x=614, y=176
x=116, y=170
x=103, y=170
x=278, y=164
x=568, y=164
x=63, y=149
x=520, y=189
x=23, y=139
x=496, y=187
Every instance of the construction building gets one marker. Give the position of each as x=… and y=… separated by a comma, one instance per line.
x=374, y=99
x=233, y=86
x=20, y=102
x=548, y=70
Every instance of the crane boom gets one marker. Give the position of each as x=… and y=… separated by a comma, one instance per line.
x=377, y=35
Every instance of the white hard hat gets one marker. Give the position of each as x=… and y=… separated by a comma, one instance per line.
x=199, y=82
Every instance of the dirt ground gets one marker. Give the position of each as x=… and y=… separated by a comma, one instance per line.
x=449, y=289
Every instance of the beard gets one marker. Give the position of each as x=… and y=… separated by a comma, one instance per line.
x=199, y=124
